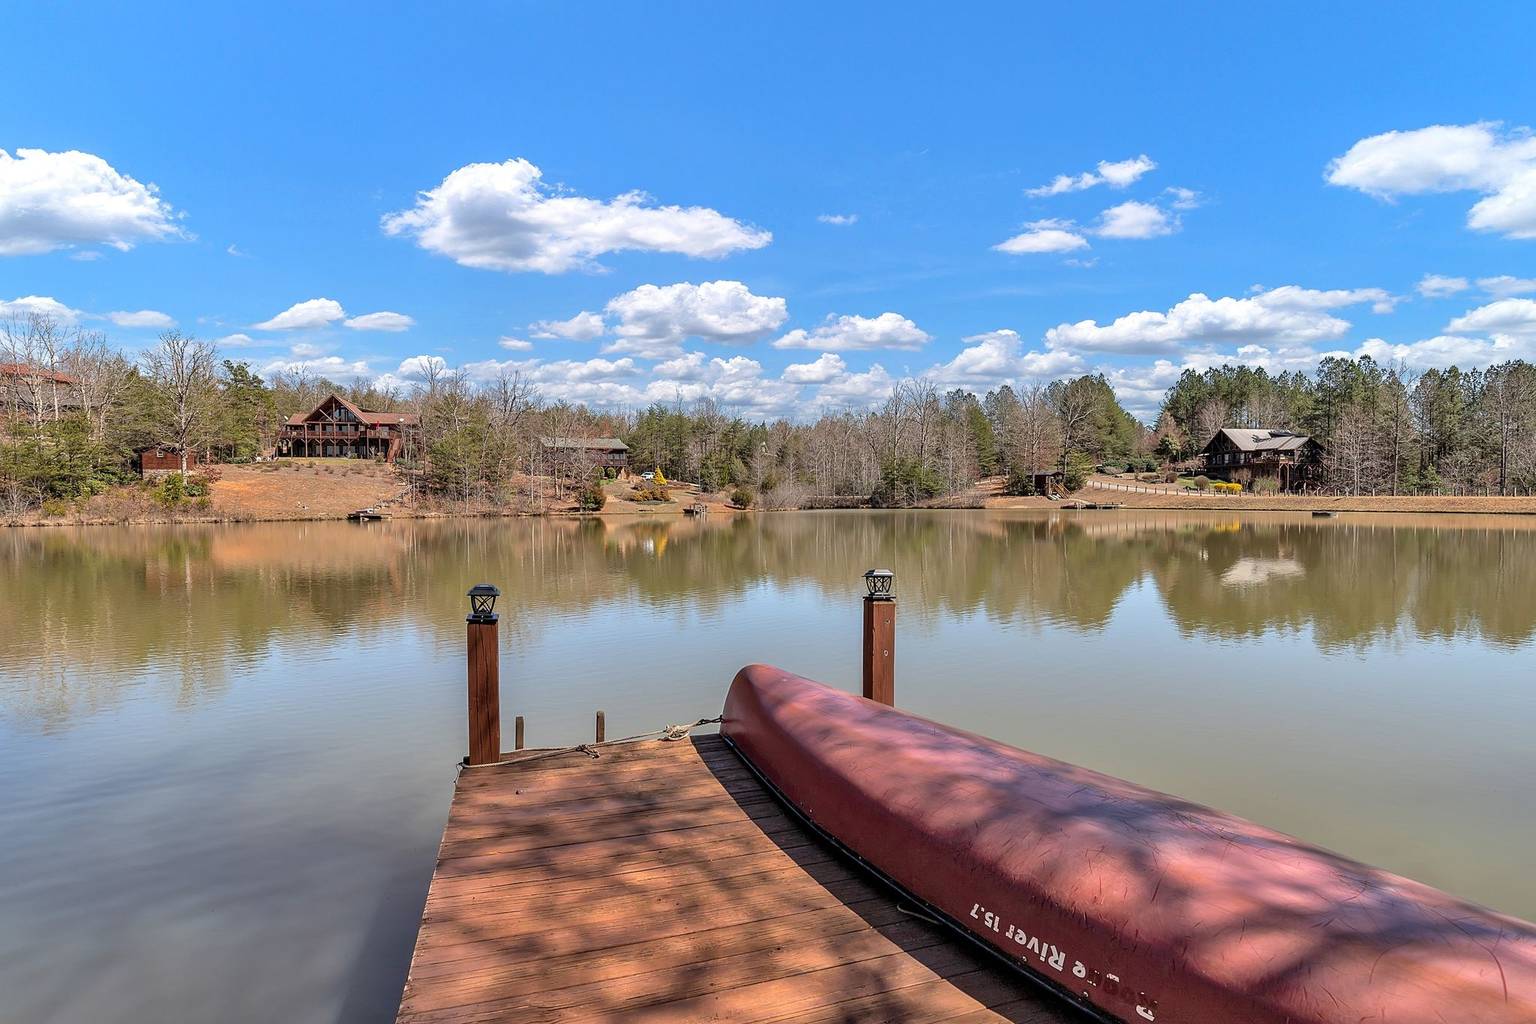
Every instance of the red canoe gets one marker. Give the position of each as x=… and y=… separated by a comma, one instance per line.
x=1145, y=906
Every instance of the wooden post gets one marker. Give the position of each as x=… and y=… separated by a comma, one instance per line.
x=517, y=733
x=879, y=648
x=484, y=685
x=602, y=727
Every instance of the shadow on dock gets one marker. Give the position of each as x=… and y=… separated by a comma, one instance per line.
x=662, y=881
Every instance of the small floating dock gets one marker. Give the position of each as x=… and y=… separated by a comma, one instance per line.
x=661, y=881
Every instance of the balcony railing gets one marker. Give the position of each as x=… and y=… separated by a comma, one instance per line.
x=329, y=434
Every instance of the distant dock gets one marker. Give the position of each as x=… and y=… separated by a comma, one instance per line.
x=661, y=881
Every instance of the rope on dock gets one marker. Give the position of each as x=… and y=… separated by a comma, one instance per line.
x=667, y=733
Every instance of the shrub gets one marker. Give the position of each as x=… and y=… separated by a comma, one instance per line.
x=1222, y=487
x=592, y=498
x=203, y=503
x=55, y=508
x=741, y=498
x=1202, y=482
x=1266, y=485
x=1019, y=483
x=652, y=494
x=172, y=490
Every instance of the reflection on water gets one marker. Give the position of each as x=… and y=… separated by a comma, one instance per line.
x=226, y=752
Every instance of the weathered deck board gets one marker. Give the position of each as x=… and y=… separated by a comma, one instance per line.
x=662, y=882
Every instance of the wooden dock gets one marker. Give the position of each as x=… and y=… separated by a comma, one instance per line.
x=661, y=881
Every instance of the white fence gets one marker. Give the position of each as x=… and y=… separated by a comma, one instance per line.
x=1110, y=485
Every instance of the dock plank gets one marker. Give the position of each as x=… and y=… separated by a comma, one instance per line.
x=663, y=882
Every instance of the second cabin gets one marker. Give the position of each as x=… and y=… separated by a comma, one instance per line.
x=1241, y=455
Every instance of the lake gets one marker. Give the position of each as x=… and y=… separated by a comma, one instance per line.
x=227, y=752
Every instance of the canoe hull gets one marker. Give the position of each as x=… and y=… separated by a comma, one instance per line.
x=1141, y=905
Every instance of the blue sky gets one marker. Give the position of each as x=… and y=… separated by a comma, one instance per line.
x=1235, y=183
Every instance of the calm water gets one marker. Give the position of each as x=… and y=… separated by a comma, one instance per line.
x=226, y=753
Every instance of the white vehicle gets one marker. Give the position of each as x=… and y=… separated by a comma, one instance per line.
x=647, y=476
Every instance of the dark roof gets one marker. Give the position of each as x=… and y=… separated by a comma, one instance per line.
x=36, y=373
x=1255, y=439
x=603, y=444
x=364, y=415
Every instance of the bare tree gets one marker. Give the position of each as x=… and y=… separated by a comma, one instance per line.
x=182, y=371
x=101, y=376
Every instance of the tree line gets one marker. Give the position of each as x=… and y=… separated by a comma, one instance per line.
x=75, y=410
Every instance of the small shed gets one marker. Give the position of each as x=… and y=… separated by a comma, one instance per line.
x=161, y=460
x=1049, y=481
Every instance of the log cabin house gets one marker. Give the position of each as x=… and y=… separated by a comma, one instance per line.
x=27, y=391
x=1241, y=455
x=338, y=429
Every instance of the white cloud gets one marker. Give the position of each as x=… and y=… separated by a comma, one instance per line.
x=1182, y=198
x=1504, y=285
x=586, y=370
x=304, y=350
x=1451, y=158
x=141, y=318
x=1446, y=350
x=839, y=219
x=503, y=217
x=333, y=367
x=847, y=333
x=239, y=341
x=652, y=321
x=1290, y=296
x=828, y=366
x=417, y=368
x=85, y=255
x=1131, y=219
x=600, y=383
x=1286, y=315
x=994, y=358
x=515, y=344
x=1438, y=286
x=1506, y=316
x=41, y=305
x=235, y=251
x=857, y=390
x=583, y=326
x=1118, y=174
x=1044, y=236
x=52, y=201
x=1141, y=388
x=381, y=321
x=688, y=366
x=1134, y=219
x=309, y=313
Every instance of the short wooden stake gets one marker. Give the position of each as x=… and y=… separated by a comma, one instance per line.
x=484, y=691
x=517, y=733
x=879, y=649
x=602, y=727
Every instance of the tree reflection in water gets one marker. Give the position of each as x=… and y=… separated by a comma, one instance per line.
x=85, y=608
